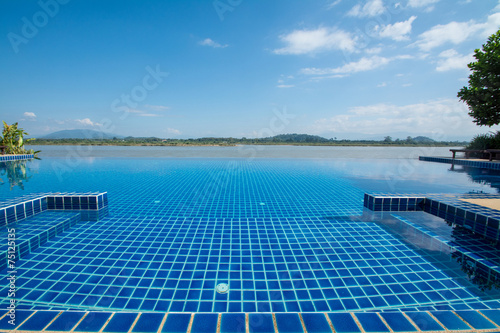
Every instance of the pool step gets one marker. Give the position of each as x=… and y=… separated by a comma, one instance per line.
x=29, y=234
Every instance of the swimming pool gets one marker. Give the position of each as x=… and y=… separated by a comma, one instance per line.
x=279, y=232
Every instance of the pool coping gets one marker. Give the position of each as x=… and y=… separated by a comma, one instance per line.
x=7, y=158
x=459, y=161
x=111, y=321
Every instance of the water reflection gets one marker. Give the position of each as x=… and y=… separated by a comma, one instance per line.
x=15, y=173
x=480, y=176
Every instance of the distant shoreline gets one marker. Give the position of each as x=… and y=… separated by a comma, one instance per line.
x=330, y=144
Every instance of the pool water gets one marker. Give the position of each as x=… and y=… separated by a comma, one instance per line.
x=278, y=232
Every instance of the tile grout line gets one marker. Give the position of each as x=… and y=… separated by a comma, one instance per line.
x=81, y=319
x=107, y=322
x=190, y=325
x=135, y=322
x=302, y=322
x=162, y=322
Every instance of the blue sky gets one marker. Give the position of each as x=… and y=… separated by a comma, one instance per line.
x=241, y=68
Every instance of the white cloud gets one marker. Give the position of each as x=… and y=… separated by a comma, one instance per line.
x=398, y=31
x=212, y=43
x=451, y=59
x=285, y=86
x=371, y=8
x=362, y=65
x=88, y=122
x=447, y=116
x=31, y=116
x=421, y=3
x=333, y=4
x=457, y=32
x=173, y=131
x=157, y=107
x=312, y=41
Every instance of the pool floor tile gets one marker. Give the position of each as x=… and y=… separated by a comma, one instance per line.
x=398, y=322
x=261, y=323
x=177, y=323
x=343, y=323
x=205, y=323
x=148, y=323
x=232, y=323
x=288, y=323
x=493, y=315
x=38, y=321
x=120, y=323
x=476, y=320
x=66, y=321
x=93, y=322
x=371, y=322
x=424, y=321
x=316, y=323
x=20, y=317
x=450, y=320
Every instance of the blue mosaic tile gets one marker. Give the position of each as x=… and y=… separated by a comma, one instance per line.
x=205, y=323
x=260, y=323
x=316, y=323
x=11, y=322
x=38, y=321
x=148, y=323
x=66, y=321
x=398, y=322
x=232, y=323
x=120, y=322
x=343, y=323
x=424, y=321
x=476, y=320
x=493, y=315
x=450, y=320
x=93, y=322
x=288, y=322
x=177, y=323
x=371, y=322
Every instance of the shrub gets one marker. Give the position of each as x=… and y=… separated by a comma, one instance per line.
x=485, y=141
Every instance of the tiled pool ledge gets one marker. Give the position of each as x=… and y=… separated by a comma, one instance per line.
x=34, y=232
x=458, y=161
x=425, y=321
x=480, y=220
x=6, y=158
x=91, y=206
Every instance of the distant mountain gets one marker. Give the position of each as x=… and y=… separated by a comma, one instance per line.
x=295, y=138
x=81, y=134
x=423, y=139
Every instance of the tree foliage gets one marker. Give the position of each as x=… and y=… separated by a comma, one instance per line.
x=13, y=139
x=483, y=93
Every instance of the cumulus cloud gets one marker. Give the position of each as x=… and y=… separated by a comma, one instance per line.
x=370, y=8
x=421, y=3
x=362, y=65
x=312, y=41
x=88, y=122
x=31, y=116
x=451, y=59
x=398, y=31
x=447, y=116
x=173, y=131
x=457, y=32
x=212, y=43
